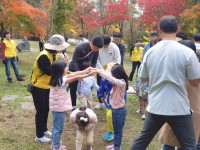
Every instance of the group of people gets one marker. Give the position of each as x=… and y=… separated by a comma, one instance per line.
x=167, y=83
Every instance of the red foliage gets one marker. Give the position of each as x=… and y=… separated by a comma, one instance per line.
x=153, y=10
x=115, y=12
x=16, y=10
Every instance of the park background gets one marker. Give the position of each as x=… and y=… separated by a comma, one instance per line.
x=134, y=19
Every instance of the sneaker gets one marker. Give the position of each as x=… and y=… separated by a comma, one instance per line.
x=99, y=106
x=20, y=79
x=110, y=147
x=60, y=148
x=43, y=139
x=138, y=111
x=48, y=133
x=109, y=136
x=10, y=80
x=143, y=117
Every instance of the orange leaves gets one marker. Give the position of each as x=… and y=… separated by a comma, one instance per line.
x=19, y=15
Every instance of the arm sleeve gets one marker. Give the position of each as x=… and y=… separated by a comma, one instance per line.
x=193, y=68
x=144, y=51
x=3, y=46
x=144, y=71
x=44, y=64
x=123, y=51
x=117, y=58
x=110, y=78
x=94, y=59
x=75, y=59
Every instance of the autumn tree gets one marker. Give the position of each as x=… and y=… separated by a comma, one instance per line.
x=19, y=15
x=191, y=19
x=115, y=14
x=155, y=9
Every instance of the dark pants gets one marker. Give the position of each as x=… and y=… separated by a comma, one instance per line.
x=41, y=46
x=118, y=117
x=73, y=89
x=41, y=102
x=98, y=82
x=11, y=61
x=182, y=127
x=135, y=64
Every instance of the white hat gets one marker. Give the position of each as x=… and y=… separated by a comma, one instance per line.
x=56, y=42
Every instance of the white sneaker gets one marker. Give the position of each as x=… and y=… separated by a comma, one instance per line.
x=48, y=133
x=43, y=139
x=99, y=106
x=138, y=111
x=143, y=117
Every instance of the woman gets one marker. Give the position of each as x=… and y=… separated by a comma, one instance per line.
x=40, y=79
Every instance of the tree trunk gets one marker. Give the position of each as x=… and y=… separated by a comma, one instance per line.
x=51, y=19
x=121, y=27
x=2, y=36
x=131, y=30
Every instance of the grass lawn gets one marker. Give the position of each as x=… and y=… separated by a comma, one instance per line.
x=17, y=126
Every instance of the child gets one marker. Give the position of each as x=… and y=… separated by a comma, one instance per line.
x=104, y=96
x=85, y=87
x=59, y=99
x=142, y=93
x=84, y=121
x=119, y=79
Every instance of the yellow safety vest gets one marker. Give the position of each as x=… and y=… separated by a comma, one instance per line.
x=39, y=79
x=137, y=54
x=10, y=48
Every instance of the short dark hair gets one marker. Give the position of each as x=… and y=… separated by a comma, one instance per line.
x=138, y=40
x=153, y=34
x=197, y=37
x=81, y=35
x=106, y=39
x=98, y=42
x=168, y=24
x=117, y=35
x=181, y=35
x=189, y=44
x=5, y=33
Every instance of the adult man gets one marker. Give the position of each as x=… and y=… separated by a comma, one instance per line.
x=82, y=39
x=9, y=54
x=85, y=52
x=197, y=44
x=167, y=66
x=40, y=79
x=153, y=37
x=41, y=43
x=109, y=53
x=117, y=37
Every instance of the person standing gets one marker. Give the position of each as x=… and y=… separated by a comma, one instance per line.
x=136, y=57
x=117, y=37
x=41, y=43
x=82, y=39
x=153, y=37
x=167, y=71
x=197, y=44
x=107, y=54
x=85, y=52
x=40, y=78
x=9, y=55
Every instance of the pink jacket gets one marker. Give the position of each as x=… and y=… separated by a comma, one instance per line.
x=117, y=93
x=59, y=99
x=92, y=118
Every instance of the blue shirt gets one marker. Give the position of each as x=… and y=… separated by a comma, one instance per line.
x=86, y=85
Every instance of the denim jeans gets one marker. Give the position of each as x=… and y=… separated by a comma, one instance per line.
x=198, y=144
x=13, y=62
x=58, y=126
x=119, y=117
